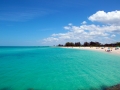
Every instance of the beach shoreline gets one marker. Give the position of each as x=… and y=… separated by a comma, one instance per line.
x=110, y=50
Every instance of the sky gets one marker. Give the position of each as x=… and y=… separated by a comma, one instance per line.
x=53, y=22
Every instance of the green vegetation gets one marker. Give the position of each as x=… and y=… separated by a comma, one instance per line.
x=90, y=44
x=69, y=44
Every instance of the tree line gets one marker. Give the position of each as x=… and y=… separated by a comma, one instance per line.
x=96, y=44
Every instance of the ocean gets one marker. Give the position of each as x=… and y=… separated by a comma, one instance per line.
x=53, y=68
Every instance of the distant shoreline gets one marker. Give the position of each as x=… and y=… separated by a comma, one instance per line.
x=101, y=49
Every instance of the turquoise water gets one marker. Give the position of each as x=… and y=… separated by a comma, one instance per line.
x=50, y=68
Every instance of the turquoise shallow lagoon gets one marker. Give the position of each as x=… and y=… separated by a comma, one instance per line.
x=50, y=68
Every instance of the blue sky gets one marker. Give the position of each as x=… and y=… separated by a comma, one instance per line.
x=50, y=22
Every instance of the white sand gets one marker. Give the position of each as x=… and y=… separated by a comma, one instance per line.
x=117, y=52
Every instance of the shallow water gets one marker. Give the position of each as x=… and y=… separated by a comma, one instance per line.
x=50, y=68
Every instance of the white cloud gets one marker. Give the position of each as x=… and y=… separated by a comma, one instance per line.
x=113, y=35
x=84, y=22
x=102, y=33
x=112, y=17
x=70, y=24
x=51, y=39
x=67, y=27
x=104, y=28
x=85, y=33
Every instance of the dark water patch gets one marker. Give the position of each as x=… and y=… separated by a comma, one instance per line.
x=95, y=88
x=115, y=87
x=6, y=88
x=2, y=56
x=92, y=88
x=34, y=89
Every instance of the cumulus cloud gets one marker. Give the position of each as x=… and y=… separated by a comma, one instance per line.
x=112, y=17
x=85, y=33
x=92, y=32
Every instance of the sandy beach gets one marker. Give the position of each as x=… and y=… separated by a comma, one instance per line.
x=101, y=49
